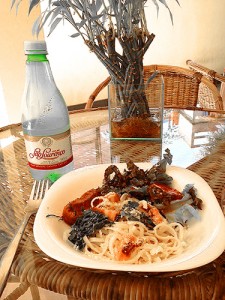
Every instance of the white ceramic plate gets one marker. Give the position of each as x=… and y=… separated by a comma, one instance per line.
x=206, y=238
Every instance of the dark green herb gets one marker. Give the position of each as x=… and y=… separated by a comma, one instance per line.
x=138, y=193
x=86, y=225
x=130, y=212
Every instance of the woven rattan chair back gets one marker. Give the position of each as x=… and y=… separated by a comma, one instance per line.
x=182, y=88
x=215, y=77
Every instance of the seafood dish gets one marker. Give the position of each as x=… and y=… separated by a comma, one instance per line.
x=134, y=217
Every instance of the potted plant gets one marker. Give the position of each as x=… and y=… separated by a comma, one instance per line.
x=116, y=31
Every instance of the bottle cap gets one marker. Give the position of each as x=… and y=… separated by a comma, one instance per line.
x=35, y=47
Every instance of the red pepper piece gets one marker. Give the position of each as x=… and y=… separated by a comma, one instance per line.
x=75, y=208
x=160, y=191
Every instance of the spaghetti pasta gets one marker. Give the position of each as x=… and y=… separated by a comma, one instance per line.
x=132, y=242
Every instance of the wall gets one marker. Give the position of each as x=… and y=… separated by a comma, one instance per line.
x=198, y=34
x=14, y=29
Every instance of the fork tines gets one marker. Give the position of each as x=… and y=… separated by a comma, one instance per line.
x=39, y=189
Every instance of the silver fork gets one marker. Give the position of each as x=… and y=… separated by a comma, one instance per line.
x=37, y=194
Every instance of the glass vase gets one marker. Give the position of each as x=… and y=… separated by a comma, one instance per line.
x=136, y=112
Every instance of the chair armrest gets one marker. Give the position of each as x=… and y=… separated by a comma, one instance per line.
x=96, y=92
x=211, y=74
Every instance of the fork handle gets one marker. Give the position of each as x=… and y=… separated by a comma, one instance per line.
x=7, y=259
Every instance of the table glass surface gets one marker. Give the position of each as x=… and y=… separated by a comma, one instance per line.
x=193, y=143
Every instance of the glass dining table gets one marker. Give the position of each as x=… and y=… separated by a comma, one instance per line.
x=194, y=141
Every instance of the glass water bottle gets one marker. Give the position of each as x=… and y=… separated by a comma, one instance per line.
x=45, y=118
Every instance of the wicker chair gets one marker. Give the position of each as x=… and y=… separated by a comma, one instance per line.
x=216, y=78
x=182, y=89
x=212, y=75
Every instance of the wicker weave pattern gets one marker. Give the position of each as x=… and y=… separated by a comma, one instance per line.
x=180, y=86
x=182, y=89
x=204, y=92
